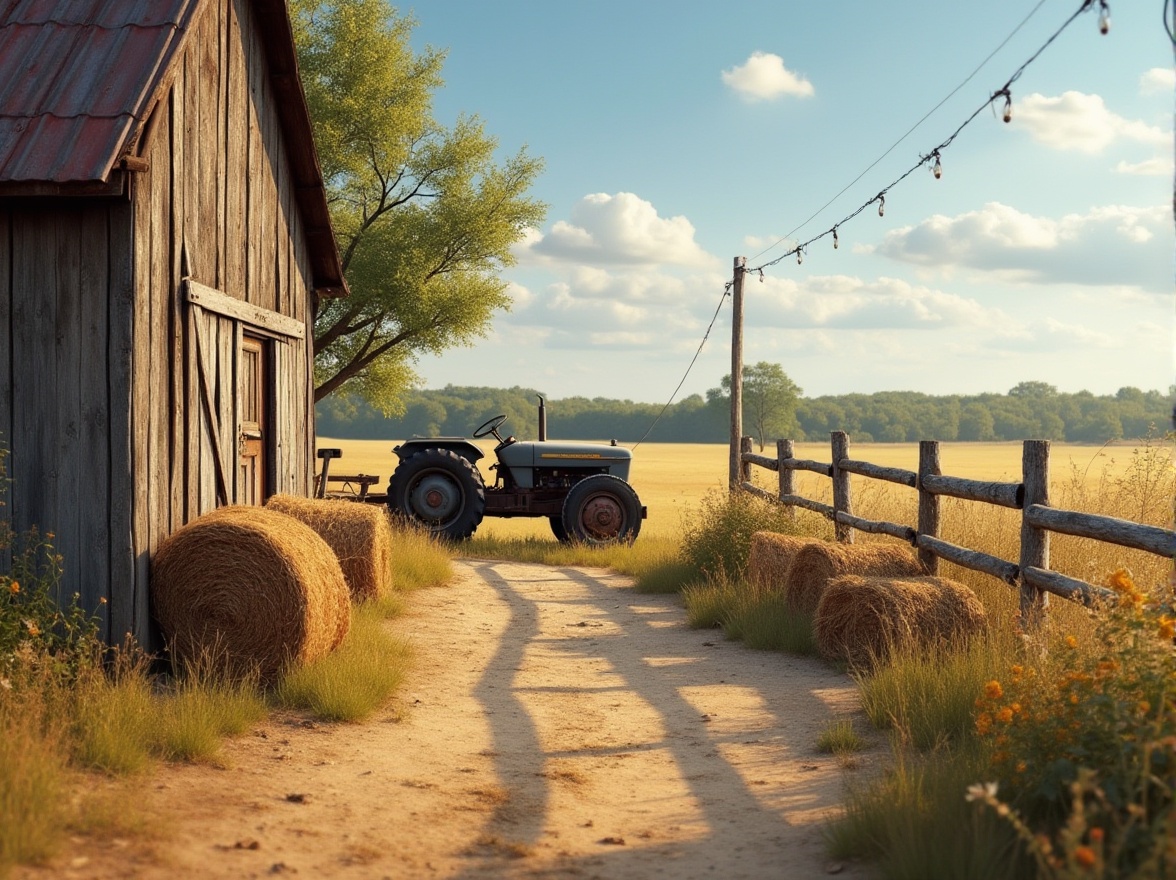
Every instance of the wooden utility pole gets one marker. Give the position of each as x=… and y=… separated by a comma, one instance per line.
x=736, y=370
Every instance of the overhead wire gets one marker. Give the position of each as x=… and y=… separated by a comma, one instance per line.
x=908, y=132
x=934, y=156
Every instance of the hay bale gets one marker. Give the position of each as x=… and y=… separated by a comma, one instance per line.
x=770, y=556
x=863, y=620
x=360, y=535
x=250, y=590
x=815, y=564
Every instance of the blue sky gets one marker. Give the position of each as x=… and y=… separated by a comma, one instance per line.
x=679, y=135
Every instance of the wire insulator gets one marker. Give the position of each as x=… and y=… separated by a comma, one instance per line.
x=937, y=168
x=1008, y=107
x=799, y=256
x=1104, y=17
x=835, y=240
x=881, y=204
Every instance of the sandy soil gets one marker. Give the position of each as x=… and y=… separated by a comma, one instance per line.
x=556, y=724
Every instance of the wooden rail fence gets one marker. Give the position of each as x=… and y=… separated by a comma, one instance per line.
x=1030, y=574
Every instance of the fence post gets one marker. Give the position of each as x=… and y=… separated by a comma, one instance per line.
x=842, y=499
x=1034, y=541
x=744, y=474
x=928, y=502
x=787, y=475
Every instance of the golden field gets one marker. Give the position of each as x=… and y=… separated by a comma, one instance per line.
x=671, y=478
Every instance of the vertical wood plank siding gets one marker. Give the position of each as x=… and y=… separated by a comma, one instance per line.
x=101, y=397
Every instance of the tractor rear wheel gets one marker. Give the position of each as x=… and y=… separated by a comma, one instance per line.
x=602, y=509
x=557, y=529
x=440, y=491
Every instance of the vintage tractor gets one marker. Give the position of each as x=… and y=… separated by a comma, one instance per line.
x=582, y=488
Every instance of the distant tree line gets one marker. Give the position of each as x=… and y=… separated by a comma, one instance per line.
x=1031, y=410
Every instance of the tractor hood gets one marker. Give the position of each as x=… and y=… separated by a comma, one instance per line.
x=593, y=457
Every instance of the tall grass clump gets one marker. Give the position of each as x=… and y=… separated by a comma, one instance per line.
x=355, y=680
x=418, y=560
x=748, y=612
x=927, y=698
x=716, y=538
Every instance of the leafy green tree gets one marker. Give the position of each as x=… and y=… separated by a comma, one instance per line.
x=424, y=215
x=769, y=400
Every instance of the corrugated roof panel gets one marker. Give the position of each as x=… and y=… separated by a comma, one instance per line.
x=75, y=76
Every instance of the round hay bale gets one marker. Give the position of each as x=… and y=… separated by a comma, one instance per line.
x=815, y=564
x=250, y=590
x=862, y=620
x=360, y=535
x=770, y=556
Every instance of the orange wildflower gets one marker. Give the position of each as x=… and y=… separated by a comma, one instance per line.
x=1097, y=834
x=1071, y=642
x=1005, y=715
x=993, y=690
x=1085, y=856
x=14, y=587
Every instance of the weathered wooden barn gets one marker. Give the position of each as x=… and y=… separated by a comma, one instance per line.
x=163, y=236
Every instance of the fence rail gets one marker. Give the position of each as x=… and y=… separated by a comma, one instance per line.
x=1030, y=574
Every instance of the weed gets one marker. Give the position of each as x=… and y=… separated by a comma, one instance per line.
x=355, y=680
x=839, y=738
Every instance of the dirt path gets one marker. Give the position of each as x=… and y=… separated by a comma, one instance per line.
x=556, y=724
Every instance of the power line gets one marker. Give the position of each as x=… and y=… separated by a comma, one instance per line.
x=726, y=292
x=934, y=156
x=908, y=132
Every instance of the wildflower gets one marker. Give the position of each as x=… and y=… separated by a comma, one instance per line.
x=993, y=690
x=1017, y=669
x=1096, y=835
x=1085, y=856
x=1021, y=767
x=14, y=587
x=1071, y=642
x=1167, y=627
x=981, y=791
x=1143, y=706
x=1005, y=715
x=1016, y=708
x=1121, y=581
x=983, y=723
x=31, y=626
x=101, y=600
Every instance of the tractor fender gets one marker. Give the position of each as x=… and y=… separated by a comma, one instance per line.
x=458, y=445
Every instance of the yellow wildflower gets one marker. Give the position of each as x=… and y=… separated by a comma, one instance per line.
x=993, y=690
x=1071, y=642
x=1143, y=706
x=1121, y=581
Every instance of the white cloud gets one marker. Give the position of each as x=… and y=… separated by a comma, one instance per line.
x=1077, y=121
x=1157, y=167
x=763, y=77
x=620, y=229
x=1109, y=245
x=847, y=302
x=1158, y=79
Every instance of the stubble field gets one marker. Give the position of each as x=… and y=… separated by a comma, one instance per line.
x=673, y=478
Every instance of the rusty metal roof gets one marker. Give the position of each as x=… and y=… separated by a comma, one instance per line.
x=76, y=80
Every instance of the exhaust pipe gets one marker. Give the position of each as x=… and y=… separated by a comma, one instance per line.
x=542, y=419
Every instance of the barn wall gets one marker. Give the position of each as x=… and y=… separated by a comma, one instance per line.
x=65, y=291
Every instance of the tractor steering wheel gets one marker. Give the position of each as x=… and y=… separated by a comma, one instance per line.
x=490, y=427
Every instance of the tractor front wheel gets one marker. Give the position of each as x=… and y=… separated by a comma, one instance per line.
x=440, y=491
x=601, y=509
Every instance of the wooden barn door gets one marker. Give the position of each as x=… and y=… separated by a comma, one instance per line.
x=252, y=407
